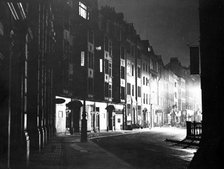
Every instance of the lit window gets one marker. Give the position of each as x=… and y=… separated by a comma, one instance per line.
x=83, y=11
x=110, y=69
x=82, y=58
x=101, y=65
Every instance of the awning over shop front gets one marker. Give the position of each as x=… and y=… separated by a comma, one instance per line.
x=74, y=104
x=59, y=100
x=110, y=108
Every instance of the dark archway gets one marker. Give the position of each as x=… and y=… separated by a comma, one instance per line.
x=74, y=106
x=110, y=109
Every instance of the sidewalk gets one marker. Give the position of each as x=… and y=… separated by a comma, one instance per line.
x=55, y=154
x=49, y=158
x=89, y=155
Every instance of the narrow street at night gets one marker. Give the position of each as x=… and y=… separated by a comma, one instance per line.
x=111, y=84
x=148, y=149
x=137, y=149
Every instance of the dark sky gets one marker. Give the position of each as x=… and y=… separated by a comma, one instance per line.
x=169, y=25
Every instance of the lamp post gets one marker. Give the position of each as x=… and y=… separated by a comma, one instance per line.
x=84, y=120
x=9, y=99
x=84, y=123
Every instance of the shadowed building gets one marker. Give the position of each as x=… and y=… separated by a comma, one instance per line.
x=209, y=154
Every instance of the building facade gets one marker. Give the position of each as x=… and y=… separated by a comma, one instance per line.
x=62, y=62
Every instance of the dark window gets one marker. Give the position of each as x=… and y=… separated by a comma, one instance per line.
x=146, y=98
x=146, y=81
x=110, y=68
x=106, y=88
x=90, y=85
x=139, y=72
x=106, y=66
x=133, y=90
x=132, y=69
x=110, y=91
x=139, y=91
x=122, y=72
x=122, y=92
x=128, y=88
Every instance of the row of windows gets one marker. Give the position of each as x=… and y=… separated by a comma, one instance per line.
x=145, y=81
x=108, y=67
x=131, y=90
x=107, y=90
x=129, y=109
x=145, y=98
x=153, y=65
x=130, y=69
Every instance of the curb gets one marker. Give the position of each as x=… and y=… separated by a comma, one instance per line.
x=120, y=134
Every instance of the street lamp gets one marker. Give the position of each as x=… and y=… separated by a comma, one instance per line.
x=84, y=123
x=84, y=120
